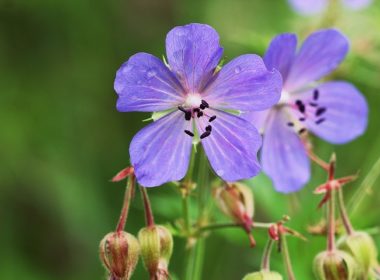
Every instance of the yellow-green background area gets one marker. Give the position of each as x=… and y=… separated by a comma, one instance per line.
x=61, y=138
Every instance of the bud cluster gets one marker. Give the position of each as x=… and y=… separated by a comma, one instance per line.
x=120, y=251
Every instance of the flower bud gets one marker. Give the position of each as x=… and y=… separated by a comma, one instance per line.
x=263, y=275
x=335, y=265
x=119, y=252
x=236, y=201
x=361, y=246
x=156, y=249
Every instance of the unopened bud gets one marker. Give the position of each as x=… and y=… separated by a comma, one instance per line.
x=263, y=275
x=335, y=265
x=236, y=201
x=156, y=249
x=361, y=246
x=119, y=252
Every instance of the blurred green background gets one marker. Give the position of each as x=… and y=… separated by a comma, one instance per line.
x=61, y=138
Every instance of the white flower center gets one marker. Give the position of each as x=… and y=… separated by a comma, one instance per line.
x=193, y=100
x=285, y=97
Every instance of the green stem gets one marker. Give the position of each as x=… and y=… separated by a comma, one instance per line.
x=203, y=187
x=343, y=213
x=215, y=226
x=190, y=260
x=190, y=252
x=199, y=258
x=265, y=262
x=127, y=201
x=203, y=190
x=331, y=222
x=186, y=214
x=286, y=257
x=186, y=195
x=364, y=188
x=189, y=175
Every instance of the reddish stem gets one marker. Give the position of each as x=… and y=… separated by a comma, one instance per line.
x=317, y=159
x=127, y=199
x=149, y=219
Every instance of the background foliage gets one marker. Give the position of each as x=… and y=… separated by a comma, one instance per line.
x=62, y=138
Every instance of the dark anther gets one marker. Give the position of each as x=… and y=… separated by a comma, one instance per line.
x=290, y=124
x=188, y=115
x=182, y=109
x=199, y=114
x=320, y=111
x=320, y=121
x=209, y=128
x=189, y=133
x=196, y=110
x=313, y=104
x=302, y=130
x=205, y=134
x=204, y=103
x=212, y=118
x=202, y=106
x=302, y=119
x=316, y=94
x=301, y=106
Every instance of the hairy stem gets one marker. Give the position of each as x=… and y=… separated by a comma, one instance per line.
x=265, y=261
x=149, y=219
x=286, y=257
x=127, y=200
x=331, y=222
x=199, y=258
x=216, y=226
x=186, y=213
x=186, y=186
x=343, y=213
x=203, y=190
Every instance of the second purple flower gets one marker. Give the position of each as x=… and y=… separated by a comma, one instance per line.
x=335, y=111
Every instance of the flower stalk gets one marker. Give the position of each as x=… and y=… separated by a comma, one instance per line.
x=149, y=219
x=129, y=192
x=265, y=262
x=331, y=222
x=331, y=207
x=286, y=257
x=216, y=226
x=343, y=213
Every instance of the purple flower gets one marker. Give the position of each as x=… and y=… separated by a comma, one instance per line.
x=195, y=97
x=311, y=7
x=335, y=111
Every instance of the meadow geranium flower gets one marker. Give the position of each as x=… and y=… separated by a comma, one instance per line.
x=335, y=111
x=311, y=7
x=195, y=96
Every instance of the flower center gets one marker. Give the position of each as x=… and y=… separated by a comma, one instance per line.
x=308, y=110
x=193, y=100
x=285, y=97
x=195, y=107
